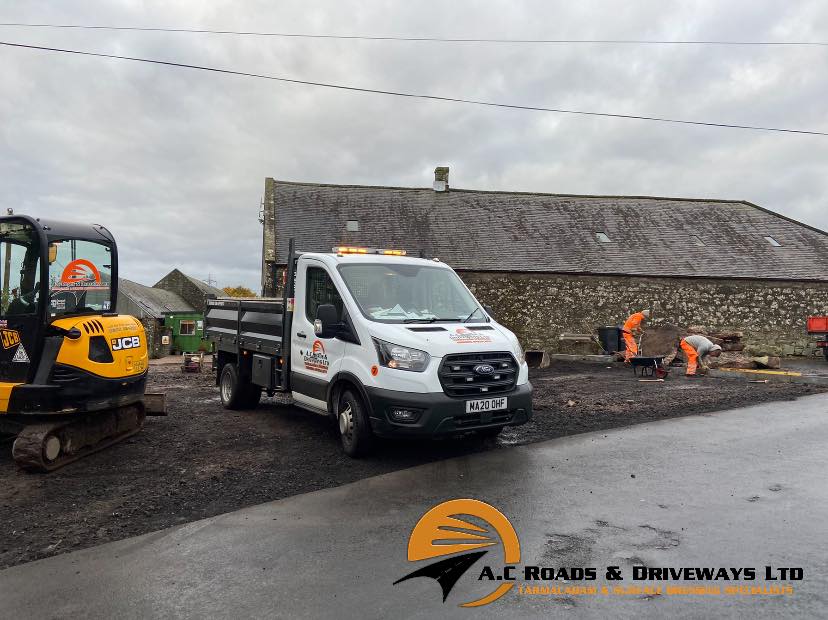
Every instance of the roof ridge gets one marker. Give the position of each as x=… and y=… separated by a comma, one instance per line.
x=513, y=193
x=786, y=218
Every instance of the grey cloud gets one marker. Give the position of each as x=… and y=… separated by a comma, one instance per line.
x=173, y=161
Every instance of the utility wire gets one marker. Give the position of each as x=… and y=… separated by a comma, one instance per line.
x=416, y=39
x=405, y=94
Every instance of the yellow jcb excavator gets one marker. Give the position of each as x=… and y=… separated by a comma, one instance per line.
x=72, y=371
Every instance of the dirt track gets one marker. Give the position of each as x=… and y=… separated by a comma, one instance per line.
x=201, y=460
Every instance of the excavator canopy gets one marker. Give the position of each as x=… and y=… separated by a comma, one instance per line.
x=49, y=270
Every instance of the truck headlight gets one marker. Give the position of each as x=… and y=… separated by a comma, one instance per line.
x=401, y=358
x=521, y=354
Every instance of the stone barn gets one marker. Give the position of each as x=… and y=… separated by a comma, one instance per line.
x=555, y=263
x=192, y=290
x=172, y=311
x=152, y=307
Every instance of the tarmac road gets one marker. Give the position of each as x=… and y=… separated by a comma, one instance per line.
x=741, y=488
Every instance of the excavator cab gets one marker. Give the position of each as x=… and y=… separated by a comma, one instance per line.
x=72, y=371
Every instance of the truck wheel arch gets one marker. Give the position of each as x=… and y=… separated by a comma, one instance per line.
x=243, y=363
x=223, y=358
x=342, y=381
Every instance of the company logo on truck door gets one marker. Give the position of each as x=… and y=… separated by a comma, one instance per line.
x=126, y=342
x=316, y=359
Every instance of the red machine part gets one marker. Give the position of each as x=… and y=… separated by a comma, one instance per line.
x=818, y=324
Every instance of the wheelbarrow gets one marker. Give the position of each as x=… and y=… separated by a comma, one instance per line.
x=192, y=362
x=649, y=366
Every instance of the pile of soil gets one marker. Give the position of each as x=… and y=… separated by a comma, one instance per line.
x=201, y=460
x=578, y=398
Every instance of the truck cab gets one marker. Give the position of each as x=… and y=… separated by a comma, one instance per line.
x=386, y=344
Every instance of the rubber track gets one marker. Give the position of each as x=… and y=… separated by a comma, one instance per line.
x=79, y=437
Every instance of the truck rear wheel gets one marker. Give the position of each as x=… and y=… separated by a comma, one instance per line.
x=235, y=393
x=354, y=428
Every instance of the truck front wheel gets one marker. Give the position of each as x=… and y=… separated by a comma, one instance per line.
x=237, y=394
x=354, y=428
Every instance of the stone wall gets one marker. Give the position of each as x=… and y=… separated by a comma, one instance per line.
x=538, y=308
x=181, y=285
x=154, y=330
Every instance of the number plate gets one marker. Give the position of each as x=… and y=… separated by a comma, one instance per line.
x=490, y=404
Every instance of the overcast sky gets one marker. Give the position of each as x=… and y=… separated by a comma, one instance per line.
x=173, y=161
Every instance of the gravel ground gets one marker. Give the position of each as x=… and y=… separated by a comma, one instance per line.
x=201, y=460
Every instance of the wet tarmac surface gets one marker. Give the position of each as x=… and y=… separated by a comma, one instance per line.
x=201, y=460
x=741, y=488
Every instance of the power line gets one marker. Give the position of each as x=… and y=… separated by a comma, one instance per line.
x=393, y=93
x=250, y=33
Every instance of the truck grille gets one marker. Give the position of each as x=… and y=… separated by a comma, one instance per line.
x=458, y=377
x=475, y=419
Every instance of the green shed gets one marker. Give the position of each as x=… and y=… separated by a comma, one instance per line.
x=187, y=330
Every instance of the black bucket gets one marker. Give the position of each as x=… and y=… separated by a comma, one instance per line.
x=611, y=340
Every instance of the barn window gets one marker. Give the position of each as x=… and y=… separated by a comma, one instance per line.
x=352, y=225
x=187, y=328
x=773, y=242
x=603, y=237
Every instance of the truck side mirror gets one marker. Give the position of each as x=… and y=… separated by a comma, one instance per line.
x=327, y=321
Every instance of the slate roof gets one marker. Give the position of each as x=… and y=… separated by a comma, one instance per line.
x=205, y=288
x=554, y=233
x=155, y=302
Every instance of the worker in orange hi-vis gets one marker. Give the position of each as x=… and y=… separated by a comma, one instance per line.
x=697, y=348
x=631, y=329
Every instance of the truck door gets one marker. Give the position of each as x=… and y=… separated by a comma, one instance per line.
x=313, y=360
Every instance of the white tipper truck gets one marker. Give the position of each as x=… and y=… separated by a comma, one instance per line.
x=386, y=344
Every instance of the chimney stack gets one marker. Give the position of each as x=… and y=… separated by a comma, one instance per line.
x=441, y=179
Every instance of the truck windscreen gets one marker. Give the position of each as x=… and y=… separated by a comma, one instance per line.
x=406, y=293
